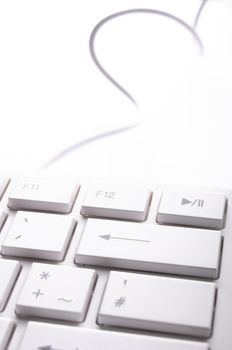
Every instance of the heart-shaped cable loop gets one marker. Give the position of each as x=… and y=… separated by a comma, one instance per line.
x=115, y=15
x=190, y=28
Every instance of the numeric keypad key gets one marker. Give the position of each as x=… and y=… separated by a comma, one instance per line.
x=56, y=292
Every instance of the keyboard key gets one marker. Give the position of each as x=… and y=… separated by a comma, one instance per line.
x=39, y=235
x=147, y=247
x=6, y=329
x=4, y=181
x=56, y=292
x=3, y=217
x=158, y=304
x=54, y=337
x=192, y=208
x=9, y=271
x=117, y=201
x=45, y=194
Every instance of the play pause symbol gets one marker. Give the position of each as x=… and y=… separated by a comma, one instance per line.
x=196, y=202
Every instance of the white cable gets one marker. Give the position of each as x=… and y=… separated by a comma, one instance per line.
x=197, y=17
x=130, y=12
x=126, y=93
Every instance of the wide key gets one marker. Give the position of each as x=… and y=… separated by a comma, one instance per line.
x=149, y=247
x=43, y=193
x=160, y=304
x=58, y=337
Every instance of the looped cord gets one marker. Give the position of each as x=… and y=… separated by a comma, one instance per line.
x=126, y=93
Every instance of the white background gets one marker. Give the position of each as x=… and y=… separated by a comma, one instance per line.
x=52, y=95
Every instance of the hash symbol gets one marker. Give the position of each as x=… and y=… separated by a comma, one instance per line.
x=120, y=301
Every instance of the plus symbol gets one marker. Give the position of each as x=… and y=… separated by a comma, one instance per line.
x=38, y=293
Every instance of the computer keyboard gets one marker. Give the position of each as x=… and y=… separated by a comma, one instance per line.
x=98, y=265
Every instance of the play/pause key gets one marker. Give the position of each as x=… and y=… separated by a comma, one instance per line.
x=192, y=208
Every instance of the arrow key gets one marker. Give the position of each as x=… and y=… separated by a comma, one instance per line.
x=145, y=247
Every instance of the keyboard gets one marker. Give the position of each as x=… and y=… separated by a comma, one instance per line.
x=90, y=264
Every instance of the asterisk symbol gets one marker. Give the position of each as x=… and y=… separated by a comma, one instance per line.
x=44, y=275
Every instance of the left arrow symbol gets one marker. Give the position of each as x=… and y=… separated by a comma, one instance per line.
x=108, y=237
x=48, y=347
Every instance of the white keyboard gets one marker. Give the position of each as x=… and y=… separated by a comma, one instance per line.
x=99, y=265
